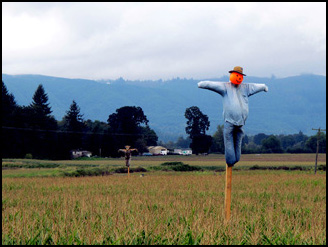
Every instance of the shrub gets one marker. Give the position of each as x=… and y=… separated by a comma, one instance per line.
x=255, y=167
x=87, y=172
x=172, y=163
x=286, y=168
x=179, y=166
x=185, y=168
x=125, y=170
x=322, y=167
x=28, y=156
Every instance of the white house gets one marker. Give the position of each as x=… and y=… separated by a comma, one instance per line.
x=157, y=150
x=80, y=153
x=183, y=151
x=187, y=151
x=86, y=153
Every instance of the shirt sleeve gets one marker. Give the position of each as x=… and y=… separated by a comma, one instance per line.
x=216, y=86
x=254, y=88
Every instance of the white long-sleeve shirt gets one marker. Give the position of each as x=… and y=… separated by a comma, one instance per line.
x=235, y=98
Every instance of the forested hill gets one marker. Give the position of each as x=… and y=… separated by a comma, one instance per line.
x=292, y=104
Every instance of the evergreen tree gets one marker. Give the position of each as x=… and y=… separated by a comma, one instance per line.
x=74, y=126
x=73, y=120
x=33, y=122
x=38, y=112
x=8, y=107
x=10, y=138
x=40, y=101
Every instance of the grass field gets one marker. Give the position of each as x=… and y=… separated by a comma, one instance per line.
x=40, y=206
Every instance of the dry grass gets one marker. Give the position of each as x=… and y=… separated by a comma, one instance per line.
x=268, y=207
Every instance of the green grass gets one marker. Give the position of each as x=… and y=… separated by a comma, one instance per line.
x=169, y=208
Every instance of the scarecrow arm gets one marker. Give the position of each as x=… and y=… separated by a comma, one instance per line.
x=216, y=86
x=122, y=150
x=254, y=88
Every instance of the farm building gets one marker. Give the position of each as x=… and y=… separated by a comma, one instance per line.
x=80, y=153
x=157, y=150
x=183, y=151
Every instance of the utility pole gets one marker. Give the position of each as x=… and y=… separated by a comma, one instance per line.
x=316, y=157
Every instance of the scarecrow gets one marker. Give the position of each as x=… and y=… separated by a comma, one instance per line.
x=127, y=152
x=235, y=109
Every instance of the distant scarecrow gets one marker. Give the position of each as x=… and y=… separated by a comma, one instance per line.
x=127, y=152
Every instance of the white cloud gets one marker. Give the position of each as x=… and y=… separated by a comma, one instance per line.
x=163, y=40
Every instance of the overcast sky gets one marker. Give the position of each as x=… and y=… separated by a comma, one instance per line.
x=163, y=40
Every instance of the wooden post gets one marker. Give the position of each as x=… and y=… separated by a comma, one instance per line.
x=227, y=201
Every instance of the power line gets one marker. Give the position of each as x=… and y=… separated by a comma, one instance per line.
x=74, y=132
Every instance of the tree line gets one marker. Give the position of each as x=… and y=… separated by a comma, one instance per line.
x=32, y=131
x=198, y=124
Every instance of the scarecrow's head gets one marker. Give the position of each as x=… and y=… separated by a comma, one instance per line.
x=237, y=75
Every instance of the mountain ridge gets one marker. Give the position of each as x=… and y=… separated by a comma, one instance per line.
x=293, y=104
